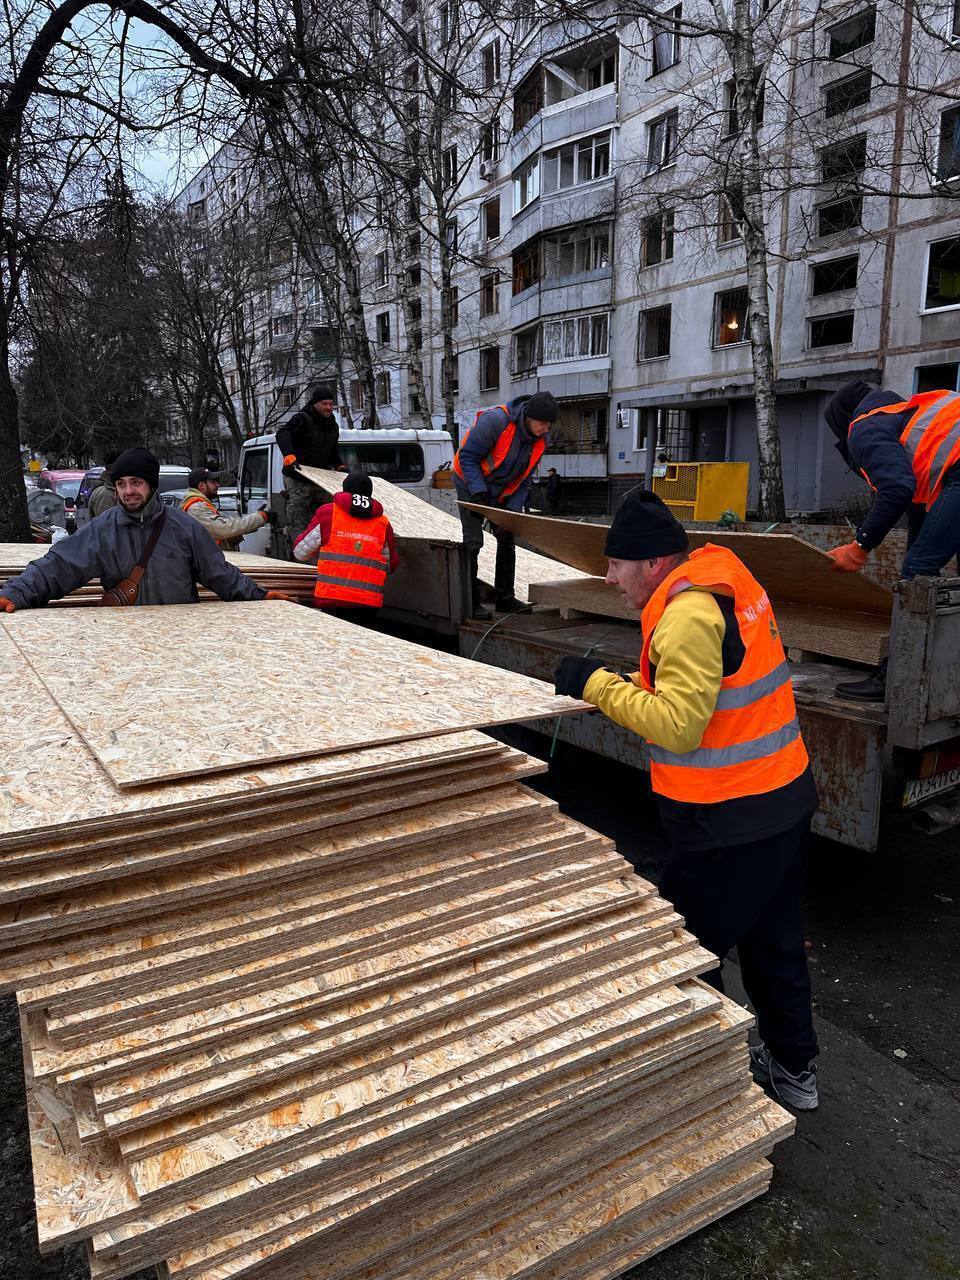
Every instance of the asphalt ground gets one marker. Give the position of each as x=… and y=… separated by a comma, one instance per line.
x=869, y=1188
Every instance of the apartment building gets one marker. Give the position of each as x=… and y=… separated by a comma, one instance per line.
x=598, y=258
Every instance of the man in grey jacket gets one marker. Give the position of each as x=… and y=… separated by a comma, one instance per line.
x=109, y=547
x=103, y=495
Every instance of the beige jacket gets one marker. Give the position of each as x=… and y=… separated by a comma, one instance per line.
x=224, y=530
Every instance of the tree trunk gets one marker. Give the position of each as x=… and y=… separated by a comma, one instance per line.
x=14, y=520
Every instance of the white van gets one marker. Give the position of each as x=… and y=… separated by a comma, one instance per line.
x=404, y=457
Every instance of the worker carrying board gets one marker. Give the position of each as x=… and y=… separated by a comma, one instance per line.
x=908, y=451
x=142, y=552
x=494, y=467
x=309, y=438
x=200, y=502
x=713, y=701
x=354, y=547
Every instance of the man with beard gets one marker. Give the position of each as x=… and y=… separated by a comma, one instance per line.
x=175, y=551
x=309, y=439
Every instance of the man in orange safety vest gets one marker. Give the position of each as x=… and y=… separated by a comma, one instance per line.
x=714, y=703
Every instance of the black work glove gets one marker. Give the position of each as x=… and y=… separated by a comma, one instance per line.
x=482, y=498
x=271, y=516
x=293, y=469
x=571, y=676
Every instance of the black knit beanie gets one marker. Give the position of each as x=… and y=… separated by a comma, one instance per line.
x=357, y=482
x=136, y=462
x=842, y=407
x=644, y=527
x=322, y=391
x=541, y=406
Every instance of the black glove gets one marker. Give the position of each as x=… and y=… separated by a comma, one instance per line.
x=271, y=515
x=482, y=498
x=293, y=469
x=572, y=674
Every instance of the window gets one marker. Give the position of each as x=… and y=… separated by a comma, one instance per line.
x=197, y=211
x=935, y=377
x=948, y=156
x=408, y=10
x=490, y=219
x=450, y=167
x=953, y=25
x=604, y=71
x=449, y=95
x=831, y=331
x=833, y=276
x=653, y=333
x=489, y=368
x=526, y=185
x=280, y=292
x=839, y=215
x=384, y=391
x=576, y=252
x=356, y=394
x=843, y=160
x=575, y=338
x=665, y=35
x=731, y=317
x=454, y=375
x=451, y=234
x=491, y=64
x=490, y=141
x=281, y=326
x=413, y=276
x=528, y=99
x=453, y=301
x=380, y=270
x=853, y=33
x=657, y=238
x=254, y=477
x=844, y=95
x=447, y=20
x=662, y=141
x=383, y=328
x=943, y=275
x=526, y=267
x=577, y=162
x=413, y=244
x=729, y=231
x=730, y=122
x=488, y=295
x=398, y=463
x=526, y=350
x=667, y=431
x=411, y=75
x=581, y=427
x=414, y=407
x=287, y=397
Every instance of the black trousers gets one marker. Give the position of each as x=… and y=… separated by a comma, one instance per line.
x=750, y=896
x=506, y=568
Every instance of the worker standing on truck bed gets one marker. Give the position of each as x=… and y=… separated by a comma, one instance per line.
x=494, y=466
x=199, y=502
x=310, y=438
x=908, y=451
x=728, y=766
x=142, y=552
x=354, y=547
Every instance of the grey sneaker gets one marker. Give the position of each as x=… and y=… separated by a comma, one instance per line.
x=798, y=1092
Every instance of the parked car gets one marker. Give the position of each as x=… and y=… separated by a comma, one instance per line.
x=171, y=478
x=66, y=484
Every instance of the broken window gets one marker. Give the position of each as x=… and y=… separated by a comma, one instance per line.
x=662, y=136
x=843, y=160
x=657, y=242
x=653, y=333
x=488, y=295
x=839, y=215
x=489, y=368
x=844, y=95
x=834, y=275
x=943, y=275
x=948, y=157
x=853, y=33
x=526, y=267
x=731, y=317
x=665, y=35
x=831, y=331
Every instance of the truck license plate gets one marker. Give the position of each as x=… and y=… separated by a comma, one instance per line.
x=919, y=789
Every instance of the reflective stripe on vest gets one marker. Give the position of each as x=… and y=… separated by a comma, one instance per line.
x=752, y=742
x=931, y=439
x=499, y=453
x=353, y=563
x=192, y=502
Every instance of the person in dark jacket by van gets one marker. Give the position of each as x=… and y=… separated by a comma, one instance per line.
x=494, y=466
x=310, y=438
x=908, y=451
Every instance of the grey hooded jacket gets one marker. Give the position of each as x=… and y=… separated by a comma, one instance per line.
x=109, y=547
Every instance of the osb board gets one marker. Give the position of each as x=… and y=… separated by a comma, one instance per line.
x=789, y=568
x=50, y=782
x=394, y=689
x=860, y=637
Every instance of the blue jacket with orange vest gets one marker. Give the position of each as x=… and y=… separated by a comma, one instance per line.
x=480, y=443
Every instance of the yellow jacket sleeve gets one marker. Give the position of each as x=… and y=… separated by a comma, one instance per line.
x=688, y=654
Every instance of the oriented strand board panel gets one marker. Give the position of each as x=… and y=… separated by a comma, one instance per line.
x=301, y=683
x=790, y=569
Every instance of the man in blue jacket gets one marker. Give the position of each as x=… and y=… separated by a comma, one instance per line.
x=908, y=451
x=494, y=466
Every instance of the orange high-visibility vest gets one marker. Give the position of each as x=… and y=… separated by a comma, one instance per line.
x=499, y=452
x=192, y=502
x=752, y=743
x=352, y=566
x=931, y=439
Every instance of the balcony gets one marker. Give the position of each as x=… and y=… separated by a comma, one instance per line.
x=586, y=112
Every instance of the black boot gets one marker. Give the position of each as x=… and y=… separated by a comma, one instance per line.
x=871, y=689
x=510, y=604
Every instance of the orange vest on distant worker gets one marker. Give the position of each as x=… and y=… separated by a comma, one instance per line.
x=931, y=439
x=499, y=452
x=752, y=743
x=192, y=502
x=352, y=566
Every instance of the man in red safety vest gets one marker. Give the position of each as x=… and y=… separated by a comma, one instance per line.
x=714, y=703
x=354, y=547
x=494, y=466
x=908, y=451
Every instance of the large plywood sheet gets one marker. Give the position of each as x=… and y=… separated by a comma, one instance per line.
x=790, y=569
x=137, y=685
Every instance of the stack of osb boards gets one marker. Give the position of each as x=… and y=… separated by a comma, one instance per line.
x=817, y=608
x=297, y=580
x=375, y=1011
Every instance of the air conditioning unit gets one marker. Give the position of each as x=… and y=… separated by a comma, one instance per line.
x=488, y=168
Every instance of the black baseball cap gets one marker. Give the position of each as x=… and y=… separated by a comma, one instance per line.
x=199, y=474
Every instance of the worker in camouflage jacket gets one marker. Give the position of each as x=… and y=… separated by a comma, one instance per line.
x=310, y=438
